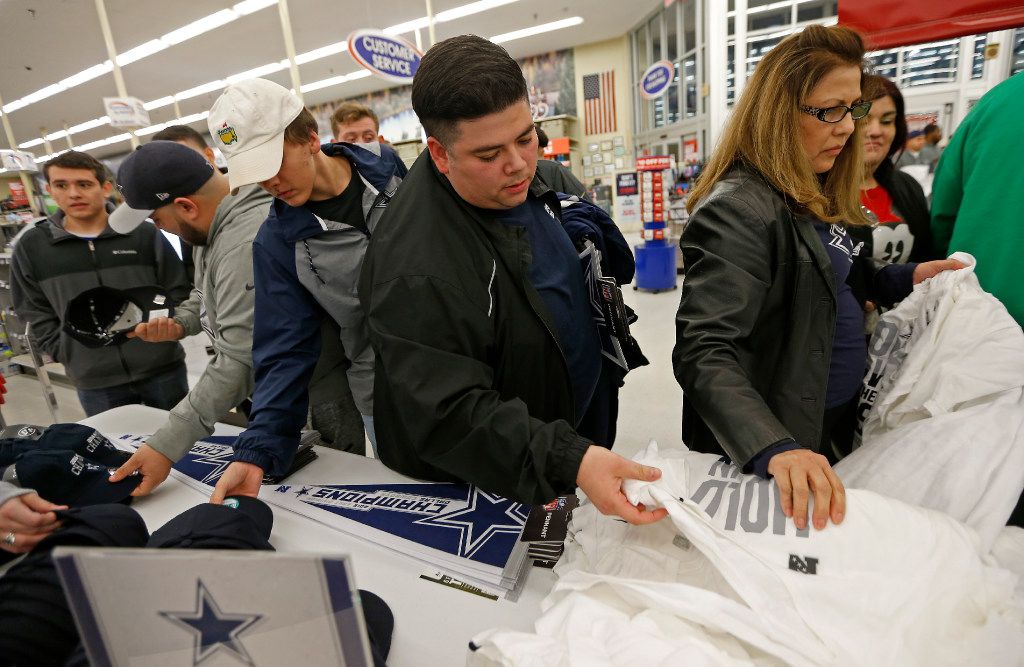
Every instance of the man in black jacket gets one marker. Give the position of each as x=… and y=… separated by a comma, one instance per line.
x=75, y=250
x=487, y=356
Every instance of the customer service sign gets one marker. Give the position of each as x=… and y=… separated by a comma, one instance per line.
x=388, y=57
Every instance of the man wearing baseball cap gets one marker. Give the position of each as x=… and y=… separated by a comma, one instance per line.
x=178, y=188
x=306, y=262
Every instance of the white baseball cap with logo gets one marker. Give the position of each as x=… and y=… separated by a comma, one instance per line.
x=247, y=123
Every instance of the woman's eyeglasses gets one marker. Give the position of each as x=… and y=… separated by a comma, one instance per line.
x=838, y=112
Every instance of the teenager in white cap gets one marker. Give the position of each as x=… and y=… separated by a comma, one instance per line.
x=306, y=262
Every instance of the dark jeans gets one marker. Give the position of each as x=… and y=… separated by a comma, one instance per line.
x=162, y=391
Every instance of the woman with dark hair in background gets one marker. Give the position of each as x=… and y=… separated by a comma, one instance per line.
x=903, y=233
x=770, y=350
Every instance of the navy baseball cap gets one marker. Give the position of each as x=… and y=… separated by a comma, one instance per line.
x=104, y=316
x=22, y=431
x=239, y=523
x=153, y=176
x=79, y=438
x=64, y=477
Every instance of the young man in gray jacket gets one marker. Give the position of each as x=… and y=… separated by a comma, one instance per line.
x=185, y=195
x=75, y=250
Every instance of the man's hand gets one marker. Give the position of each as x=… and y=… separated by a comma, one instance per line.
x=800, y=472
x=26, y=520
x=151, y=464
x=600, y=477
x=926, y=270
x=158, y=330
x=239, y=479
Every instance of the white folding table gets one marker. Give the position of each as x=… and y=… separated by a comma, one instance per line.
x=433, y=623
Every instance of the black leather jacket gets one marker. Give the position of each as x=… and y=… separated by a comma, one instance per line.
x=756, y=320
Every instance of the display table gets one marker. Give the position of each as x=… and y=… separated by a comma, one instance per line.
x=433, y=623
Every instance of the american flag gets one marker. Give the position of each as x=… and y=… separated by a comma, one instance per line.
x=599, y=103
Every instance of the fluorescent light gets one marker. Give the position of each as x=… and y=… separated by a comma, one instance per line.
x=249, y=6
x=159, y=102
x=196, y=28
x=141, y=51
x=88, y=125
x=144, y=50
x=322, y=52
x=447, y=15
x=54, y=136
x=104, y=142
x=30, y=144
x=153, y=129
x=199, y=90
x=408, y=26
x=537, y=29
x=471, y=8
x=256, y=72
x=185, y=120
x=86, y=75
x=335, y=80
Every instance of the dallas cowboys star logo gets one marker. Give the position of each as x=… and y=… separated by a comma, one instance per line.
x=213, y=630
x=485, y=516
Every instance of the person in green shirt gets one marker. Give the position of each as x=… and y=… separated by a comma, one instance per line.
x=978, y=193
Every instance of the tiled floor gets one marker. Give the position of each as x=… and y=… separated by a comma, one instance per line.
x=650, y=402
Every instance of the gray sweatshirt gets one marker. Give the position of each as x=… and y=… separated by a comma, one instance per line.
x=8, y=491
x=221, y=304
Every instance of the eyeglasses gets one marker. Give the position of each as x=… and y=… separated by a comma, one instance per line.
x=838, y=112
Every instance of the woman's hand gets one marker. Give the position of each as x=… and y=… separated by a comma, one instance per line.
x=926, y=270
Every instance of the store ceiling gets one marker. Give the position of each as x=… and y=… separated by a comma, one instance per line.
x=48, y=40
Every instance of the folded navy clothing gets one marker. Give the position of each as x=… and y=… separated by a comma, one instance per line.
x=36, y=626
x=240, y=523
x=64, y=477
x=78, y=438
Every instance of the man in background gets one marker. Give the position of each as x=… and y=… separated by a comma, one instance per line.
x=75, y=250
x=554, y=174
x=355, y=123
x=930, y=151
x=912, y=151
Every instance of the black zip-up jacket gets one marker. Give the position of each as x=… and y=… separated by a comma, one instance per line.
x=51, y=266
x=470, y=383
x=909, y=201
x=756, y=320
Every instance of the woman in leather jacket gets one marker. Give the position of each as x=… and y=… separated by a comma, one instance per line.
x=770, y=350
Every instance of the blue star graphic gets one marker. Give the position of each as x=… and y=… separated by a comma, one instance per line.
x=485, y=516
x=213, y=630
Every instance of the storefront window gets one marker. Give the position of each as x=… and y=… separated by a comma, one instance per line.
x=730, y=76
x=1017, y=65
x=978, y=64
x=816, y=10
x=885, y=63
x=671, y=34
x=930, y=63
x=689, y=26
x=654, y=30
x=690, y=70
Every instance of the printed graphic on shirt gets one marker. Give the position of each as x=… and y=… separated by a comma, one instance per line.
x=839, y=239
x=742, y=502
x=892, y=242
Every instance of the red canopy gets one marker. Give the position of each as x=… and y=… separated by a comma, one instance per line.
x=889, y=23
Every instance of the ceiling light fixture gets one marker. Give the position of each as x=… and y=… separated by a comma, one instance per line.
x=537, y=30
